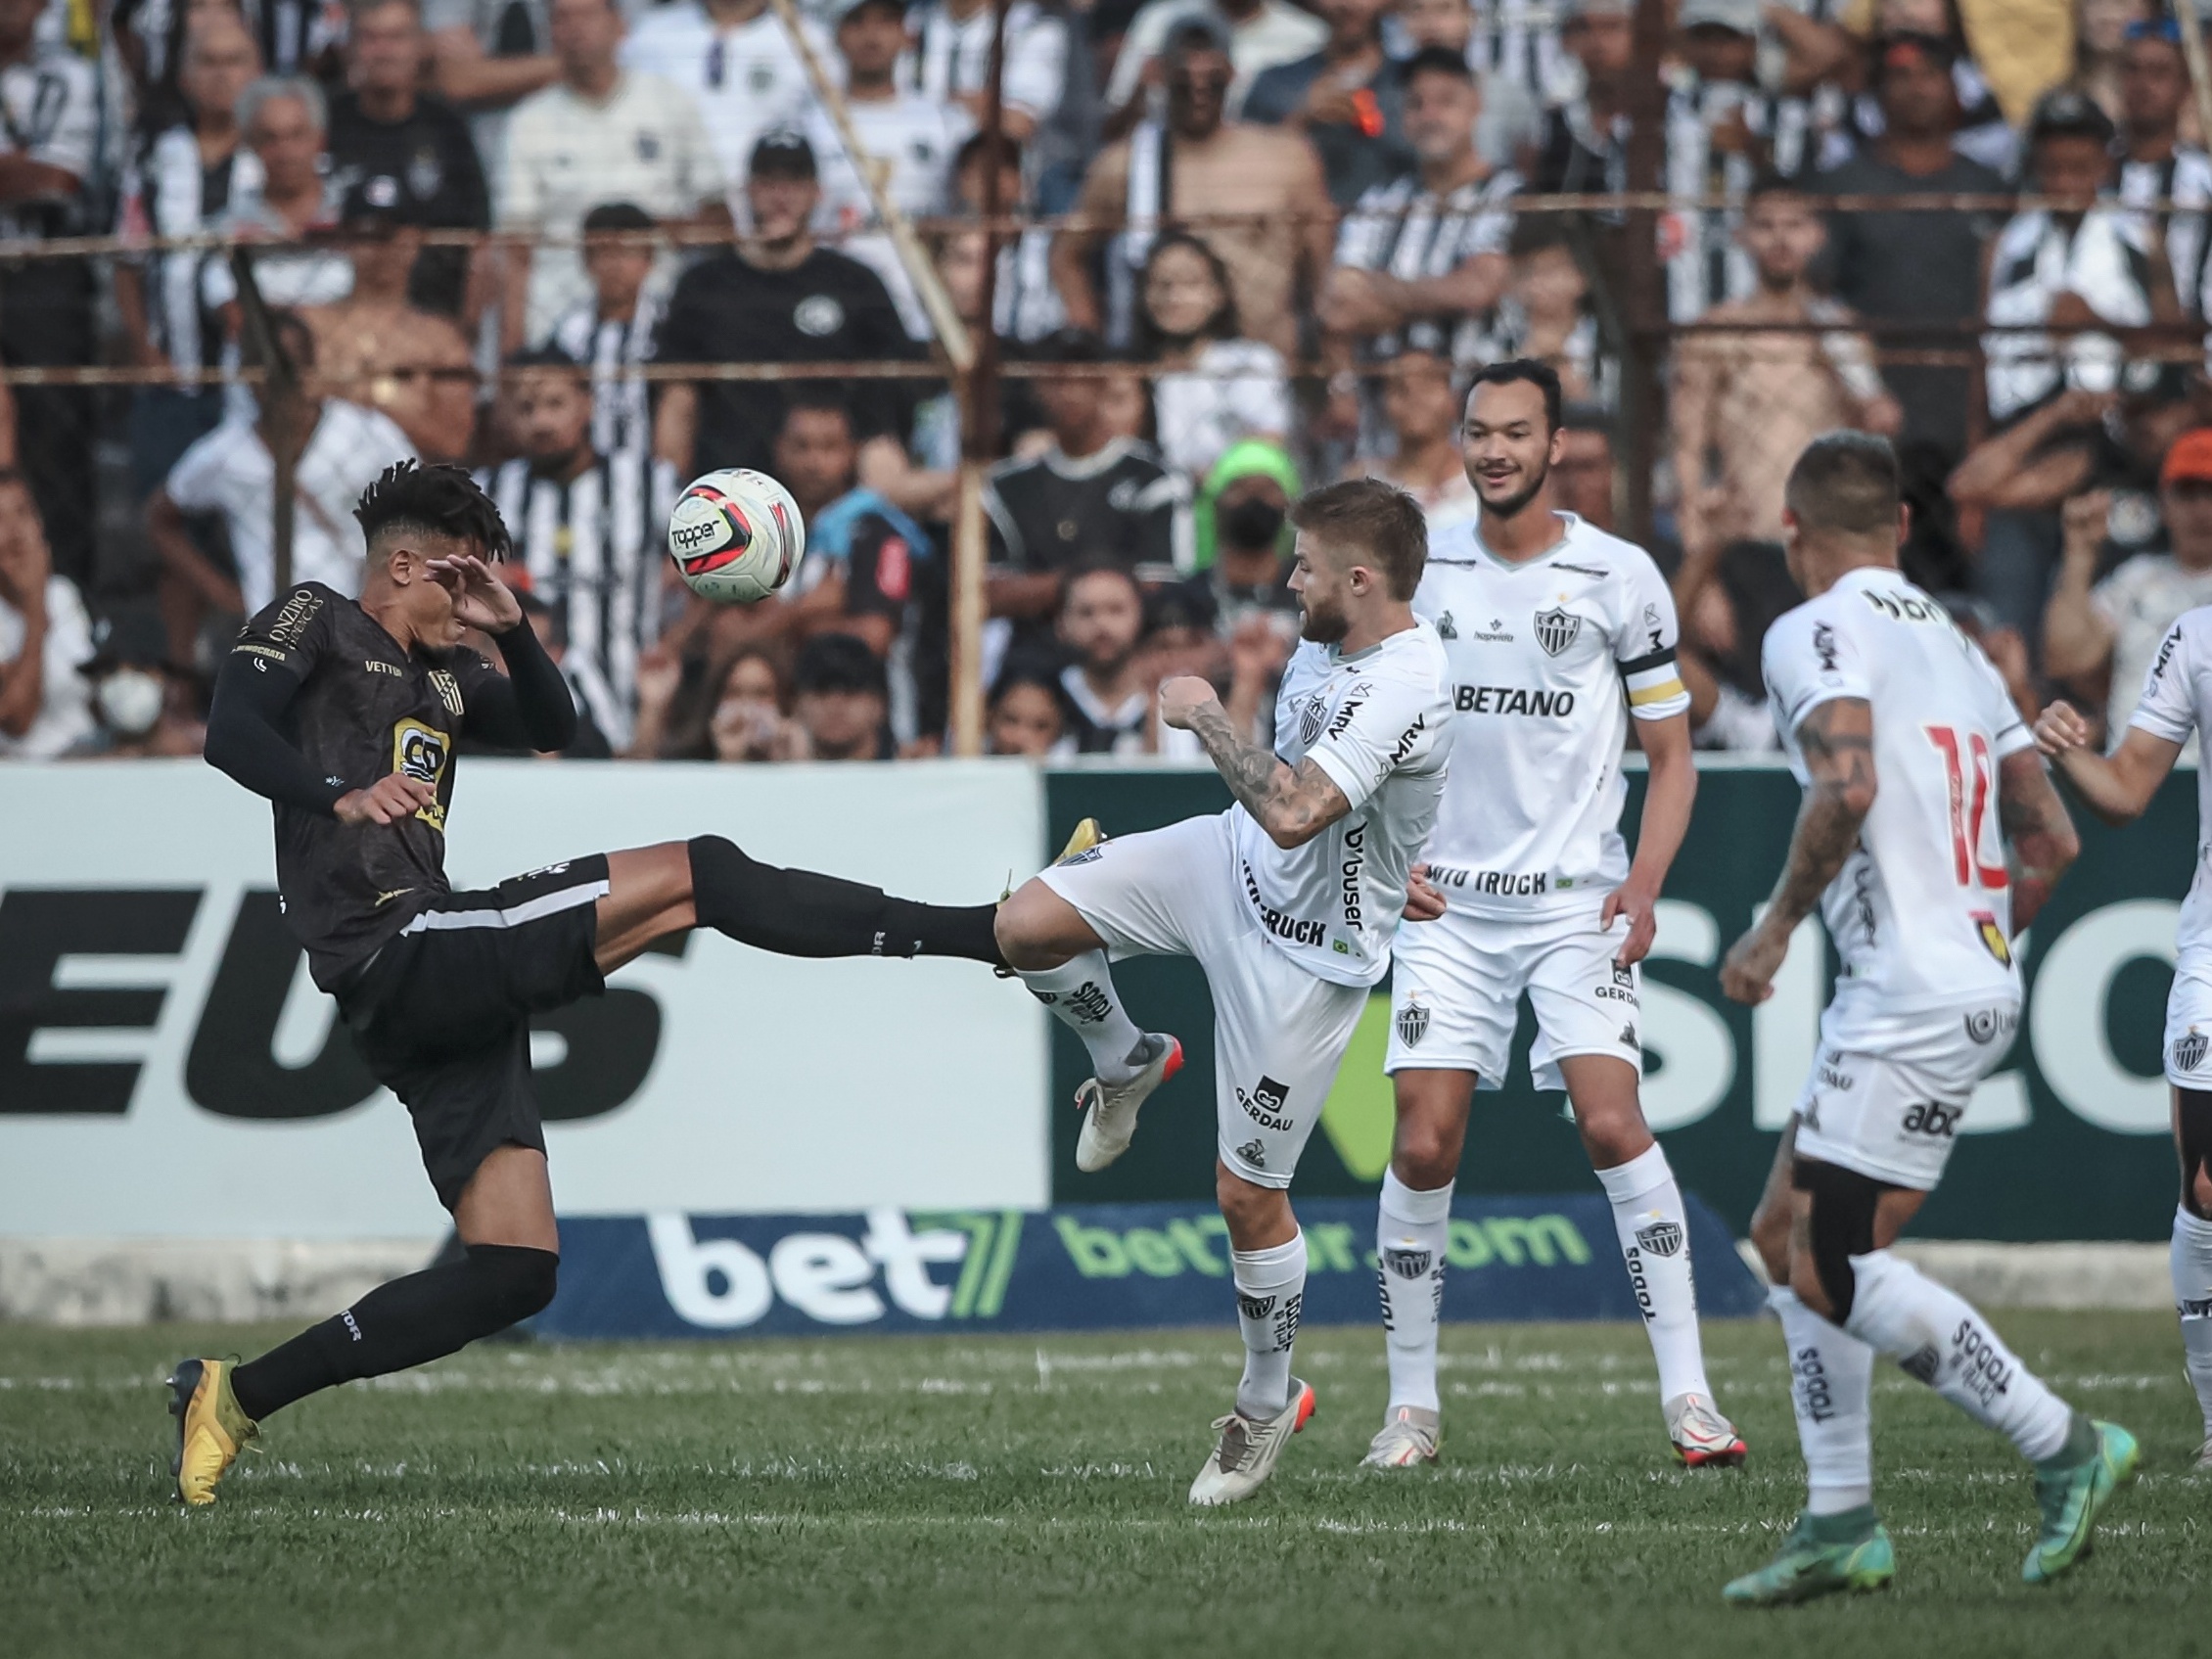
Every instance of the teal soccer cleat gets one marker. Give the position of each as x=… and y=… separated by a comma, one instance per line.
x=2072, y=1498
x=1823, y=1555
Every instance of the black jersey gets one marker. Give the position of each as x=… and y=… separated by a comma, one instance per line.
x=363, y=707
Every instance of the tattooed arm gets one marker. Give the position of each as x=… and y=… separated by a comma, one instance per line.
x=2039, y=835
x=1292, y=805
x=1837, y=741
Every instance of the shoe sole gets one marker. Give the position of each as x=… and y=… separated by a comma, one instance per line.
x=2122, y=1474
x=1862, y=1583
x=1168, y=1068
x=1697, y=1457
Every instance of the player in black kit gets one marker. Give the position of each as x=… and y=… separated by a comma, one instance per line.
x=346, y=715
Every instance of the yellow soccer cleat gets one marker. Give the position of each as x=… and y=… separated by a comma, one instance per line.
x=1087, y=836
x=210, y=1428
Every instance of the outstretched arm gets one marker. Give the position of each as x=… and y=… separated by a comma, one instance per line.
x=1837, y=742
x=2040, y=836
x=2116, y=787
x=1293, y=804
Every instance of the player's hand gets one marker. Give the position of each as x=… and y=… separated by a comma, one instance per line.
x=1424, y=901
x=1747, y=974
x=2061, y=729
x=1182, y=697
x=481, y=600
x=392, y=799
x=1640, y=906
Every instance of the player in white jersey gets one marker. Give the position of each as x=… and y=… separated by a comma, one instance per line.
x=1289, y=902
x=2175, y=703
x=1557, y=634
x=1917, y=773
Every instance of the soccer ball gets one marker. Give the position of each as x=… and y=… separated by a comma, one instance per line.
x=736, y=536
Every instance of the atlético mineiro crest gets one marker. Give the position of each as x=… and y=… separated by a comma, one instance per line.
x=1660, y=1238
x=1412, y=1025
x=2189, y=1050
x=1309, y=719
x=1555, y=629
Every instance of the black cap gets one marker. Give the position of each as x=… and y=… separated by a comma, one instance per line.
x=838, y=661
x=784, y=153
x=2063, y=113
x=131, y=637
x=616, y=215
x=1195, y=29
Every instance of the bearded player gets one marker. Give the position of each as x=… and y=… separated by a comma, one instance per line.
x=1289, y=900
x=346, y=715
x=1928, y=833
x=2176, y=705
x=1559, y=637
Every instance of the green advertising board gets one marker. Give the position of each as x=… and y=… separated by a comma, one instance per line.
x=2067, y=1140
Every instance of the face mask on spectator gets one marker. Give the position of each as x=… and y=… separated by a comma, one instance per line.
x=131, y=702
x=1252, y=523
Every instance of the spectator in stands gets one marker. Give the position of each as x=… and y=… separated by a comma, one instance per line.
x=283, y=120
x=1746, y=403
x=488, y=56
x=405, y=150
x=951, y=60
x=143, y=708
x=2155, y=167
x=1420, y=411
x=1514, y=47
x=738, y=67
x=1262, y=33
x=378, y=349
x=1099, y=623
x=1422, y=257
x=2080, y=266
x=340, y=448
x=1089, y=497
x=778, y=297
x=603, y=133
x=2101, y=40
x=1727, y=600
x=1349, y=98
x=588, y=531
x=1585, y=146
x=870, y=570
x=1545, y=313
x=1024, y=303
x=1211, y=167
x=841, y=699
x=1720, y=136
x=612, y=333
x=1026, y=715
x=1214, y=387
x=1583, y=478
x=914, y=137
x=740, y=710
x=2110, y=630
x=1244, y=539
x=1899, y=266
x=47, y=154
x=44, y=638
x=177, y=184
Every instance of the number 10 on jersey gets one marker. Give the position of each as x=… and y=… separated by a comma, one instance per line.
x=1967, y=816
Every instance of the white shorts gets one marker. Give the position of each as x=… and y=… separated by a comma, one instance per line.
x=1457, y=985
x=1889, y=1105
x=2189, y=1027
x=1279, y=1032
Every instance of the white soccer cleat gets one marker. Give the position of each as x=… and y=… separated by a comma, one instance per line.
x=2203, y=1463
x=1408, y=1438
x=1701, y=1437
x=1245, y=1455
x=1109, y=1109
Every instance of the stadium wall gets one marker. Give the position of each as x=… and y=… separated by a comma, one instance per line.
x=184, y=1129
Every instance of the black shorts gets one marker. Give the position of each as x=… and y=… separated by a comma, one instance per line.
x=441, y=1014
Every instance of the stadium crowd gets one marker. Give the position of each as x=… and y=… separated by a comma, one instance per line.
x=1262, y=245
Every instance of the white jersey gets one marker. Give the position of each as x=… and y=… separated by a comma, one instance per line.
x=2177, y=701
x=1550, y=658
x=1921, y=911
x=1377, y=723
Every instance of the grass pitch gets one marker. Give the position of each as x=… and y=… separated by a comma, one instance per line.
x=1012, y=1496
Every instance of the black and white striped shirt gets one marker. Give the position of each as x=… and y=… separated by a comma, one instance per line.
x=622, y=412
x=593, y=551
x=1704, y=264
x=2184, y=178
x=1408, y=231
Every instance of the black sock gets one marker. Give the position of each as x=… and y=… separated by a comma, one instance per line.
x=801, y=913
x=407, y=1322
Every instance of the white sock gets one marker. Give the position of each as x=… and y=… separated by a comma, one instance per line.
x=1080, y=993
x=1935, y=1335
x=2191, y=1261
x=1653, y=1228
x=1411, y=1230
x=1270, y=1287
x=1832, y=1387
